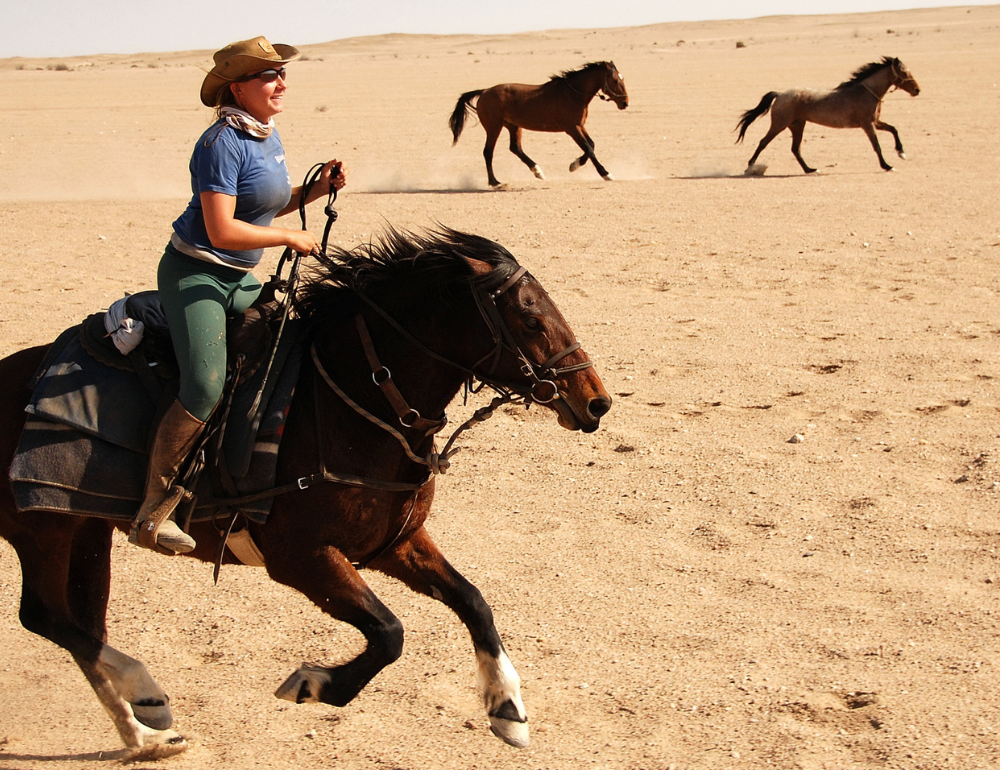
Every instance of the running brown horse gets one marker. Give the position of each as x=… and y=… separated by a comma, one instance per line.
x=855, y=103
x=418, y=315
x=560, y=105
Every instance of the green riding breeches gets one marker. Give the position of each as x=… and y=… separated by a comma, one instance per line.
x=197, y=297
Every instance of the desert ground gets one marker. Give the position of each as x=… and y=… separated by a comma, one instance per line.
x=685, y=588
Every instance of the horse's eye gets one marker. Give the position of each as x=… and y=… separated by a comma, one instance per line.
x=532, y=322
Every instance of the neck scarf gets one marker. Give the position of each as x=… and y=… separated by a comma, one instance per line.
x=244, y=121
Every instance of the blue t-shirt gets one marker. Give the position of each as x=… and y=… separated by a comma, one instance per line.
x=232, y=162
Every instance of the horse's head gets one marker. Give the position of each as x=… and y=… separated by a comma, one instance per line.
x=539, y=356
x=614, y=86
x=901, y=78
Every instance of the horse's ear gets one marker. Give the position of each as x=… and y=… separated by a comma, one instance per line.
x=478, y=266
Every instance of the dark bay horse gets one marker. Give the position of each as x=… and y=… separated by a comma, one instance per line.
x=422, y=313
x=560, y=105
x=855, y=103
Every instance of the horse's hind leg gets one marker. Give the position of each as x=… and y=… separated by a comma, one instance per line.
x=87, y=593
x=797, y=128
x=882, y=126
x=492, y=134
x=515, y=147
x=773, y=131
x=421, y=566
x=869, y=130
x=67, y=608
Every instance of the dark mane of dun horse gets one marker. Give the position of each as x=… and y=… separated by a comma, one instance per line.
x=855, y=103
x=560, y=105
x=436, y=308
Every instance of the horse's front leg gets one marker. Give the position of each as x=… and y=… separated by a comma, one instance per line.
x=869, y=130
x=585, y=143
x=326, y=577
x=881, y=126
x=420, y=565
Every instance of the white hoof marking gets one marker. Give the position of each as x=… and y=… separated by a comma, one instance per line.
x=537, y=172
x=575, y=165
x=501, y=694
x=512, y=733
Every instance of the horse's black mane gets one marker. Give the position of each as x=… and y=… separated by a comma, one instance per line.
x=429, y=267
x=566, y=74
x=869, y=69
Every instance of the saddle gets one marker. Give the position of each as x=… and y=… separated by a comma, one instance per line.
x=248, y=338
x=94, y=409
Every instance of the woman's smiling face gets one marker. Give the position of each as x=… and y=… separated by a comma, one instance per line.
x=261, y=97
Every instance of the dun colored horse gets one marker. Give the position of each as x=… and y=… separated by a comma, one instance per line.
x=855, y=103
x=419, y=315
x=560, y=105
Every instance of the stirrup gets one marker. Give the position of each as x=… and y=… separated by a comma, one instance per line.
x=145, y=530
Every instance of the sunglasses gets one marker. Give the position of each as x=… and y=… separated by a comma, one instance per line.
x=267, y=76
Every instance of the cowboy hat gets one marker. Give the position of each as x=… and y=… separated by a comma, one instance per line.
x=242, y=58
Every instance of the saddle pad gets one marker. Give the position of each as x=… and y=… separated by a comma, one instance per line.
x=112, y=404
x=102, y=401
x=70, y=468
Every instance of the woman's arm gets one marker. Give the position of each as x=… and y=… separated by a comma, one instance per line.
x=225, y=231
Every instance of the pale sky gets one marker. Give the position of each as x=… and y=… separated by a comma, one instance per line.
x=53, y=28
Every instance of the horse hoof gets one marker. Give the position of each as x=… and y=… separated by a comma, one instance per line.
x=537, y=172
x=153, y=714
x=574, y=166
x=607, y=177
x=159, y=745
x=902, y=155
x=510, y=732
x=757, y=169
x=304, y=686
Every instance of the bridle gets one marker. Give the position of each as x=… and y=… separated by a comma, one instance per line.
x=898, y=81
x=542, y=389
x=603, y=93
x=606, y=94
x=898, y=76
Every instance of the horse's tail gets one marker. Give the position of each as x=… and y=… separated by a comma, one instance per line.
x=462, y=109
x=750, y=116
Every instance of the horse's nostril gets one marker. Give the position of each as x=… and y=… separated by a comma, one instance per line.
x=598, y=407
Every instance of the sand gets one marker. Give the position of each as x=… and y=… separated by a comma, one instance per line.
x=685, y=588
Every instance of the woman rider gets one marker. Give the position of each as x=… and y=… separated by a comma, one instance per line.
x=240, y=182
